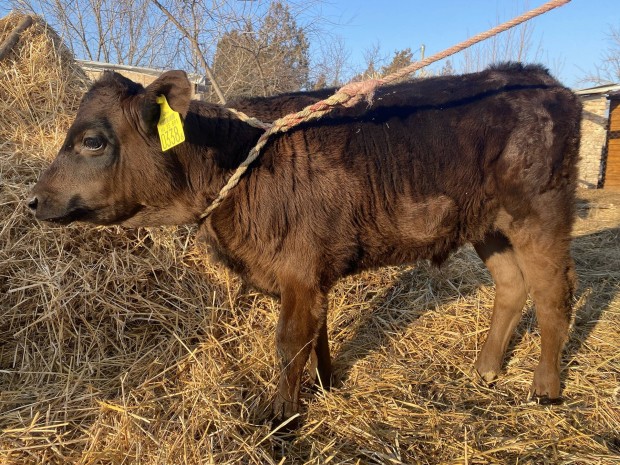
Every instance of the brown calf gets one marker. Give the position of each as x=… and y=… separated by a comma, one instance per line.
x=486, y=158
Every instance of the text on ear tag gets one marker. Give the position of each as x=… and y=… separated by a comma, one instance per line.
x=169, y=126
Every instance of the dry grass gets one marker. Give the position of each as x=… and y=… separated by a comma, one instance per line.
x=129, y=347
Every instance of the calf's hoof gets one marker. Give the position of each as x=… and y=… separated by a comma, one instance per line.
x=285, y=417
x=320, y=383
x=546, y=387
x=488, y=372
x=545, y=400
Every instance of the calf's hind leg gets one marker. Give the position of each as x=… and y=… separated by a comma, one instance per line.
x=510, y=295
x=549, y=273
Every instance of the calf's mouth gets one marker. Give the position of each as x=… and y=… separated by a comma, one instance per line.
x=46, y=211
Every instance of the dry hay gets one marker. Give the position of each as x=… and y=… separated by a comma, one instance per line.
x=130, y=347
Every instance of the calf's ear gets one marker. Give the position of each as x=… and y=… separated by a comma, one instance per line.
x=177, y=89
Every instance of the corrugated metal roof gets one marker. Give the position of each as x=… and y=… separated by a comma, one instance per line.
x=602, y=89
x=101, y=66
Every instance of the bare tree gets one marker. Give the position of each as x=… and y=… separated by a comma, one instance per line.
x=516, y=44
x=332, y=69
x=608, y=71
x=129, y=32
x=256, y=47
x=192, y=36
x=374, y=59
x=252, y=47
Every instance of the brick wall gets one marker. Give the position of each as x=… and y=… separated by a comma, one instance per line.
x=593, y=137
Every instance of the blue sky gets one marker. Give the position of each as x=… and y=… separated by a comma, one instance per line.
x=572, y=37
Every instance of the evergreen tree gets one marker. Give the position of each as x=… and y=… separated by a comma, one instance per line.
x=447, y=69
x=401, y=59
x=374, y=70
x=264, y=58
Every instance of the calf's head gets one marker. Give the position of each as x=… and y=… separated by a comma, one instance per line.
x=110, y=168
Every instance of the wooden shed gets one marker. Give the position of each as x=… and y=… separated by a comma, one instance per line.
x=611, y=178
x=599, y=164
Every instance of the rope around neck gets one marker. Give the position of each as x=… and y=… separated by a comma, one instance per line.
x=352, y=93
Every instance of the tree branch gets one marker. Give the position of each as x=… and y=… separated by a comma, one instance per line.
x=196, y=46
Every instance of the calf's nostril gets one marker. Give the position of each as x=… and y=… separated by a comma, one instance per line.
x=32, y=203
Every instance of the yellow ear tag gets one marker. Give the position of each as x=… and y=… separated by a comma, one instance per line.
x=169, y=126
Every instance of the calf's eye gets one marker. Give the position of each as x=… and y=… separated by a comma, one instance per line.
x=92, y=143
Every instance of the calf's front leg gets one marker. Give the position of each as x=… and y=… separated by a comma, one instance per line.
x=302, y=315
x=320, y=361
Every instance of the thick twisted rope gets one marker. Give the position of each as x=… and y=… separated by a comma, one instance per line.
x=352, y=93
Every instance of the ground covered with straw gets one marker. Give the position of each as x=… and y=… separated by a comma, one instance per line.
x=131, y=347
